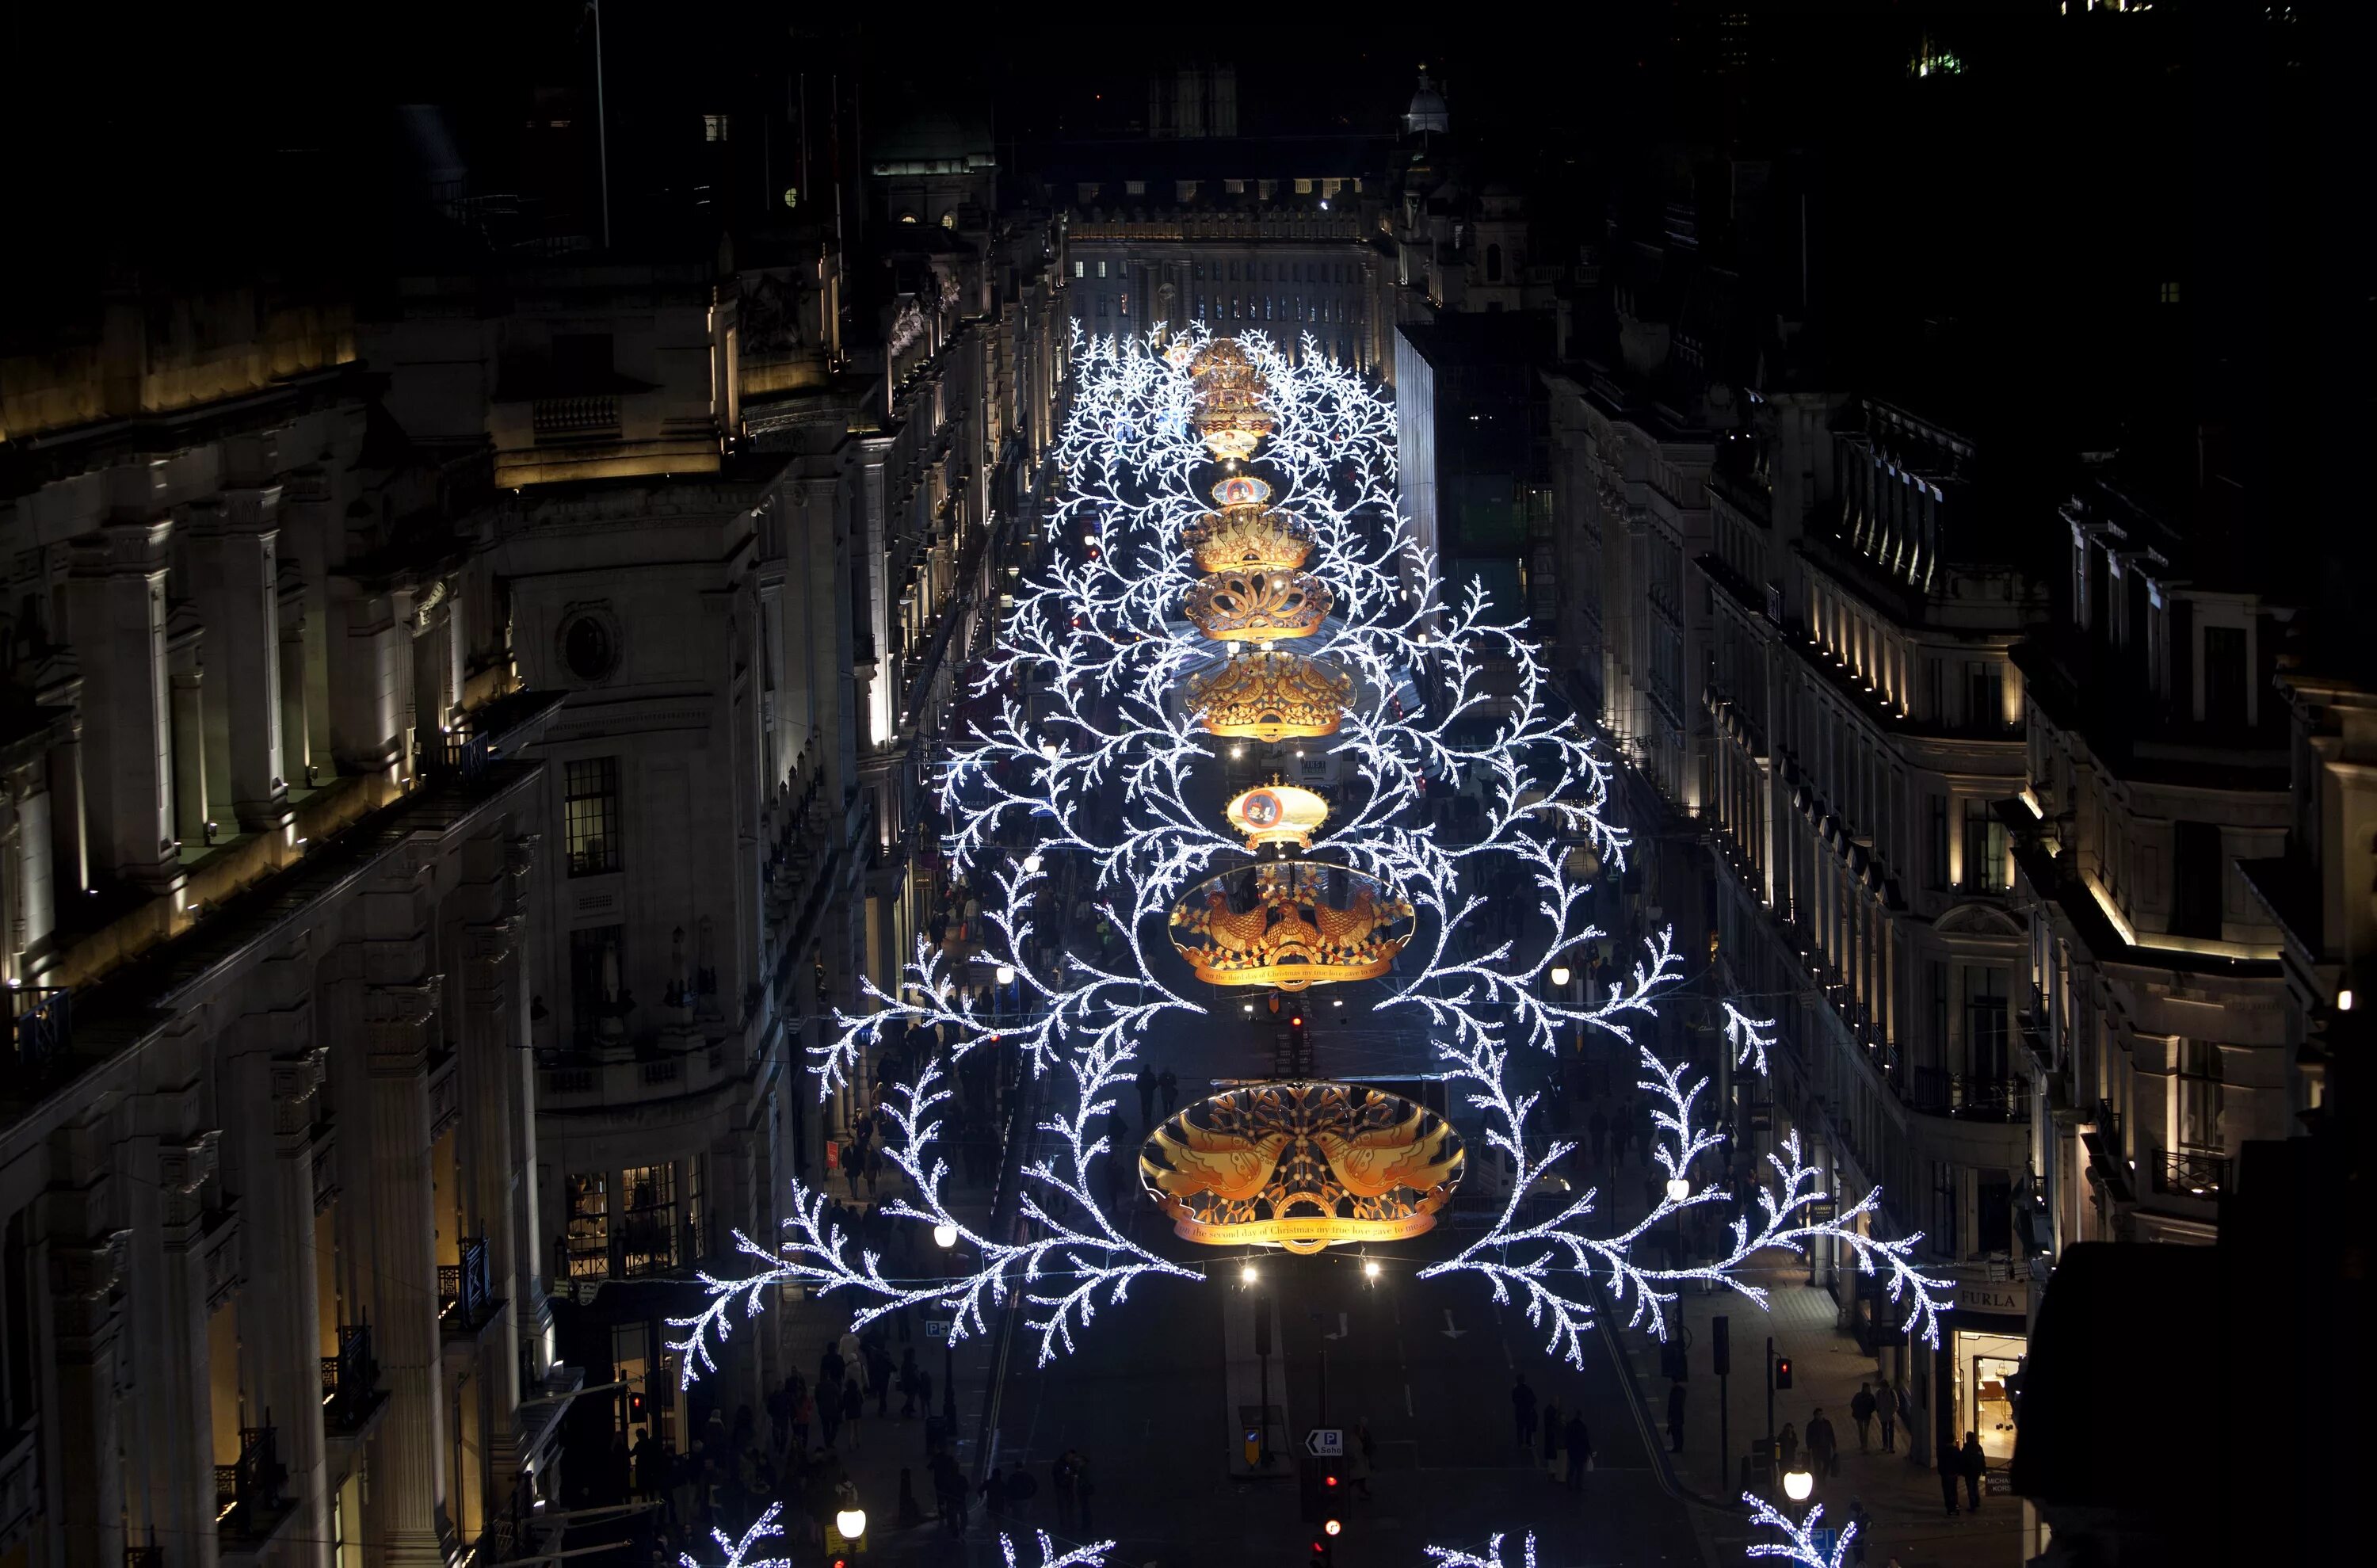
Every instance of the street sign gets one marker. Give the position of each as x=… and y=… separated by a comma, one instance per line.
x=1325, y=1443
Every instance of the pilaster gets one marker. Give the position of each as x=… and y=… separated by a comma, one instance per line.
x=116, y=618
x=86, y=1266
x=405, y=1519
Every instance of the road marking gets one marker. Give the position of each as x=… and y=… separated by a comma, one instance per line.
x=1341, y=1330
x=1407, y=1407
x=1449, y=1330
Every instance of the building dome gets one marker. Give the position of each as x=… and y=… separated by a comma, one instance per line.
x=1427, y=111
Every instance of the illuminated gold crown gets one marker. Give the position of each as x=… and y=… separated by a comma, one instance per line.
x=1268, y=697
x=1248, y=538
x=1222, y=357
x=1300, y=1165
x=1290, y=924
x=1258, y=606
x=1277, y=813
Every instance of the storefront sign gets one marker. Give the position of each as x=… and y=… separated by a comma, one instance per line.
x=2009, y=1298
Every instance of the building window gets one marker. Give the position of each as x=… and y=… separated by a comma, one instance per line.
x=1102, y=268
x=714, y=127
x=589, y=815
x=1939, y=841
x=1985, y=848
x=2199, y=872
x=2170, y=295
x=1079, y=267
x=586, y=1247
x=2224, y=676
x=1985, y=1023
x=648, y=1221
x=1493, y=263
x=598, y=992
x=2201, y=1113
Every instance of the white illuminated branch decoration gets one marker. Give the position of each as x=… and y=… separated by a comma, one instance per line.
x=1086, y=679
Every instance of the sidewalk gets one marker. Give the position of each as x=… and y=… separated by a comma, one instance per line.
x=1907, y=1521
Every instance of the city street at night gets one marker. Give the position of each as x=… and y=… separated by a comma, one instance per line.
x=794, y=788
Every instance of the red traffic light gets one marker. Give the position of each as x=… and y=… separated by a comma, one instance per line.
x=1782, y=1372
x=1329, y=1480
x=1297, y=1021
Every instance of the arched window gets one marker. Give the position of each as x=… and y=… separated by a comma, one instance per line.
x=1493, y=263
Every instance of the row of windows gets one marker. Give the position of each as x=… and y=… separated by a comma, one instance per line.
x=1268, y=308
x=1288, y=271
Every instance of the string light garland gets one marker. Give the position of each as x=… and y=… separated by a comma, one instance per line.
x=1084, y=694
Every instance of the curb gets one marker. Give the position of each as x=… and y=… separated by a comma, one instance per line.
x=1662, y=1464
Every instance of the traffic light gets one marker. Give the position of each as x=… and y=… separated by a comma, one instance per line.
x=1317, y=1493
x=1721, y=1343
x=1782, y=1373
x=1324, y=1553
x=635, y=1408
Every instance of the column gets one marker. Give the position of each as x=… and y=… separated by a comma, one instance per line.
x=429, y=698
x=365, y=720
x=58, y=684
x=189, y=753
x=243, y=609
x=117, y=620
x=276, y=1081
x=171, y=1403
x=493, y=1049
x=86, y=1327
x=295, y=731
x=405, y=1515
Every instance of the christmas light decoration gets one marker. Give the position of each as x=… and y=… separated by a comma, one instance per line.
x=1090, y=1556
x=1453, y=1557
x=1102, y=687
x=738, y=1552
x=1798, y=1544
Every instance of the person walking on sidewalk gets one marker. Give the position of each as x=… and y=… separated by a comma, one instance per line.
x=1145, y=1083
x=1861, y=1408
x=1551, y=1435
x=1787, y=1445
x=1976, y=1466
x=1579, y=1443
x=1889, y=1414
x=1952, y=1465
x=1523, y=1411
x=1169, y=1085
x=1861, y=1522
x=1676, y=1418
x=854, y=1405
x=1366, y=1458
x=949, y=1491
x=1823, y=1449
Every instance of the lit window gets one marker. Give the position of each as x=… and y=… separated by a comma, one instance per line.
x=1102, y=268
x=648, y=1240
x=714, y=127
x=589, y=815
x=1078, y=267
x=2170, y=294
x=1134, y=187
x=587, y=1247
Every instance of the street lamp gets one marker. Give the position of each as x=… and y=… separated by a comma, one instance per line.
x=1559, y=976
x=1797, y=1485
x=945, y=1235
x=1370, y=1269
x=1031, y=864
x=852, y=1523
x=1005, y=975
x=1679, y=1188
x=1248, y=1275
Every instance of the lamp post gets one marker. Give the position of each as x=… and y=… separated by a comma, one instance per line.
x=1679, y=1188
x=1798, y=1486
x=851, y=1522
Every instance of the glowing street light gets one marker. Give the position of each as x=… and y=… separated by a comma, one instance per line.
x=945, y=1235
x=1797, y=1485
x=1559, y=974
x=1004, y=973
x=1679, y=1188
x=1247, y=1274
x=852, y=1523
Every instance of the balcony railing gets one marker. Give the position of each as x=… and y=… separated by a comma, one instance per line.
x=350, y=1381
x=248, y=1490
x=1967, y=1098
x=466, y=1300
x=41, y=1028
x=576, y=419
x=2190, y=1173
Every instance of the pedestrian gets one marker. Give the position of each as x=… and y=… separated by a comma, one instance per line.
x=1675, y=1417
x=854, y=1405
x=1523, y=1411
x=1599, y=1127
x=1861, y=1408
x=1857, y=1526
x=1579, y=1443
x=1889, y=1414
x=1976, y=1465
x=1786, y=1445
x=908, y=1374
x=993, y=1492
x=1170, y=1087
x=1823, y=1449
x=804, y=1411
x=879, y=1372
x=1145, y=1083
x=948, y=1491
x=1551, y=1435
x=1365, y=1458
x=1060, y=1480
x=650, y=1462
x=911, y=1512
x=924, y=1390
x=1952, y=1465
